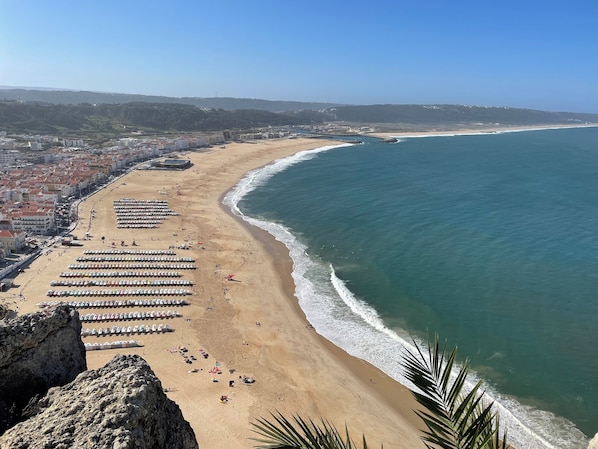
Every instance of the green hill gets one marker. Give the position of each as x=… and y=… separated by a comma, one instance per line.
x=226, y=103
x=116, y=118
x=454, y=114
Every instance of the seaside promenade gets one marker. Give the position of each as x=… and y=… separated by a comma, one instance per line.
x=241, y=347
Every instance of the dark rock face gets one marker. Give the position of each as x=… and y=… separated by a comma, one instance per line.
x=37, y=351
x=119, y=406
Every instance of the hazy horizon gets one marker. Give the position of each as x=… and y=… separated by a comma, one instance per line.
x=55, y=89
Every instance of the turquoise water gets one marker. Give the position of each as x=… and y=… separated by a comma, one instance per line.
x=489, y=240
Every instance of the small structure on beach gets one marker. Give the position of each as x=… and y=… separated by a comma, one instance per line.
x=171, y=164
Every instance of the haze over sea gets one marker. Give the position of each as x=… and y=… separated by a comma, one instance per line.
x=489, y=240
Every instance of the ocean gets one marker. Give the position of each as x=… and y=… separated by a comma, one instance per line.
x=488, y=240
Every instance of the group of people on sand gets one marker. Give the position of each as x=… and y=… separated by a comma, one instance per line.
x=122, y=243
x=189, y=359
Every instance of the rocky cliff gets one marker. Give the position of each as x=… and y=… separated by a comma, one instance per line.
x=37, y=351
x=119, y=406
x=48, y=399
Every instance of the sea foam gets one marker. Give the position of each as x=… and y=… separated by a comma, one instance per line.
x=356, y=327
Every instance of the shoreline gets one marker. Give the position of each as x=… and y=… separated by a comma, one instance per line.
x=386, y=388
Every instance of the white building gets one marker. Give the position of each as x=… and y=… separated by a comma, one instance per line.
x=34, y=222
x=8, y=157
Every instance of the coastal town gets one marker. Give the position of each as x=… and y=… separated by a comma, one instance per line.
x=44, y=177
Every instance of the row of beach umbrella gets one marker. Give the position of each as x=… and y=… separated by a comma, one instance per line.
x=153, y=315
x=139, y=207
x=115, y=304
x=123, y=283
x=112, y=345
x=129, y=292
x=142, y=208
x=147, y=252
x=121, y=210
x=156, y=215
x=122, y=213
x=120, y=274
x=121, y=204
x=142, y=220
x=133, y=200
x=132, y=266
x=125, y=330
x=134, y=259
x=139, y=216
x=137, y=226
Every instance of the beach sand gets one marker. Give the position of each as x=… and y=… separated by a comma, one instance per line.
x=296, y=371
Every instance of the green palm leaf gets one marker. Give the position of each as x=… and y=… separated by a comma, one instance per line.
x=454, y=419
x=283, y=434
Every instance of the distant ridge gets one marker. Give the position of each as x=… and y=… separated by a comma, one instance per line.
x=63, y=111
x=55, y=96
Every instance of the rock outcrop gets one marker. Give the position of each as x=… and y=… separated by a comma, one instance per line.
x=594, y=442
x=119, y=406
x=37, y=351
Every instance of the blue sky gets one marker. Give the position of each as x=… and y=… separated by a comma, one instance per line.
x=539, y=55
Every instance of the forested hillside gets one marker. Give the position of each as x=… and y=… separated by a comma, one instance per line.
x=227, y=103
x=57, y=118
x=454, y=114
x=110, y=118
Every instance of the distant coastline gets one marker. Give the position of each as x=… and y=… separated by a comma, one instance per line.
x=467, y=131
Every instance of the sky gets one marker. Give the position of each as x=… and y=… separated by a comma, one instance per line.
x=529, y=54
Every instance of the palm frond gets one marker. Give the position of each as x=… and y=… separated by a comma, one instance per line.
x=455, y=419
x=280, y=433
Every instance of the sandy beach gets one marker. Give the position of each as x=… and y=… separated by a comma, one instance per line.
x=248, y=326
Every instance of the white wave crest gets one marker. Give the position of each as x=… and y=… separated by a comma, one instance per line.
x=259, y=176
x=550, y=431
